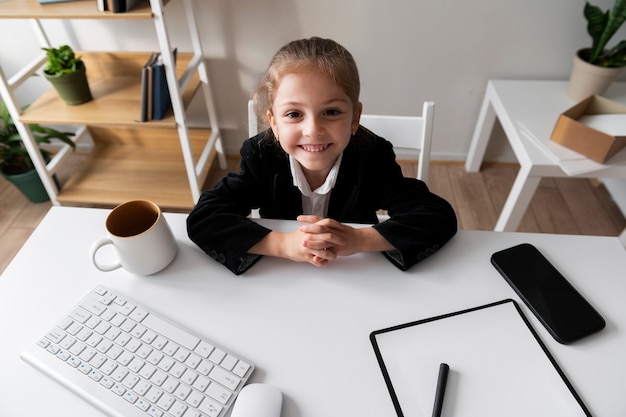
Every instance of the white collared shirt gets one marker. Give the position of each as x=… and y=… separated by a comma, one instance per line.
x=314, y=202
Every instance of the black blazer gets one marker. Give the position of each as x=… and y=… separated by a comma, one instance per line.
x=369, y=180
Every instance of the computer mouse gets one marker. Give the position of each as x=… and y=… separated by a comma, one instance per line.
x=258, y=400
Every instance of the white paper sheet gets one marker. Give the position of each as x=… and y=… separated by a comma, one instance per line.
x=497, y=367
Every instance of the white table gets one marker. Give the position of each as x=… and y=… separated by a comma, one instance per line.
x=537, y=106
x=305, y=328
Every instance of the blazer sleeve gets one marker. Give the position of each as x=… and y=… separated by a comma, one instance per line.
x=420, y=222
x=219, y=222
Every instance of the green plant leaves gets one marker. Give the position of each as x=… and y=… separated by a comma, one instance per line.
x=601, y=26
x=61, y=60
x=13, y=153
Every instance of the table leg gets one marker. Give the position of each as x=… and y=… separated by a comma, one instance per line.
x=481, y=136
x=518, y=200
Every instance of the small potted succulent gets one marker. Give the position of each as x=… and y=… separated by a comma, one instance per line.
x=15, y=162
x=597, y=67
x=68, y=75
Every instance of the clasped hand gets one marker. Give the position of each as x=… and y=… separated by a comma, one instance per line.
x=320, y=240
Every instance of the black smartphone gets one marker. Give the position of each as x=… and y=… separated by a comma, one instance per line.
x=557, y=304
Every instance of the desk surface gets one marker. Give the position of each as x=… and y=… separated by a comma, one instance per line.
x=305, y=328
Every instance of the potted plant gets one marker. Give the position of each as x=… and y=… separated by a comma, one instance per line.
x=15, y=162
x=68, y=75
x=597, y=67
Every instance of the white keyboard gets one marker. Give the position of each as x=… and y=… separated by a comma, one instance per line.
x=128, y=361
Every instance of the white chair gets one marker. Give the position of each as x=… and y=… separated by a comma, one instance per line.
x=411, y=136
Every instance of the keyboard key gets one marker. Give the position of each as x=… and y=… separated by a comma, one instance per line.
x=204, y=349
x=55, y=335
x=154, y=394
x=189, y=376
x=229, y=362
x=142, y=404
x=65, y=323
x=194, y=399
x=219, y=393
x=210, y=407
x=205, y=367
x=138, y=314
x=178, y=409
x=170, y=348
x=182, y=392
x=142, y=387
x=201, y=383
x=127, y=309
x=118, y=389
x=154, y=412
x=80, y=315
x=159, y=377
x=147, y=371
x=225, y=378
x=93, y=306
x=165, y=402
x=177, y=370
x=170, y=331
x=97, y=376
x=130, y=396
x=107, y=382
x=217, y=356
x=170, y=384
x=193, y=361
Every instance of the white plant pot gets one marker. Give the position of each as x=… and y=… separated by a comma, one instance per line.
x=587, y=79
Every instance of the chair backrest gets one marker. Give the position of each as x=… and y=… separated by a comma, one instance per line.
x=253, y=123
x=411, y=136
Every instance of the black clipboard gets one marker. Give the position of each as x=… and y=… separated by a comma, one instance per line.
x=493, y=352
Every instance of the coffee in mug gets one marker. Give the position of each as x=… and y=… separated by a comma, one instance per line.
x=142, y=239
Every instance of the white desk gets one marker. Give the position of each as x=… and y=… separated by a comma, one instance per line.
x=305, y=328
x=536, y=105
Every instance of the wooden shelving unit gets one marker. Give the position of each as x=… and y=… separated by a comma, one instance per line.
x=115, y=83
x=165, y=160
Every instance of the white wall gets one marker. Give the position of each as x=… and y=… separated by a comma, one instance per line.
x=408, y=51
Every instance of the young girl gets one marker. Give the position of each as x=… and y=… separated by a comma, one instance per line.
x=317, y=165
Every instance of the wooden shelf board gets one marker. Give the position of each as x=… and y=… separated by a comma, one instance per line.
x=115, y=83
x=136, y=163
x=79, y=9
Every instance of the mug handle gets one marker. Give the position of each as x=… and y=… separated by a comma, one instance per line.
x=92, y=253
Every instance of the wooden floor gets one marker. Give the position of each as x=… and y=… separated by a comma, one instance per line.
x=560, y=205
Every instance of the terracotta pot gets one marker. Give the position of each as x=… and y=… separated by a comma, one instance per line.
x=587, y=79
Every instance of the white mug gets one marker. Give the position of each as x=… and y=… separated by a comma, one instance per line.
x=141, y=236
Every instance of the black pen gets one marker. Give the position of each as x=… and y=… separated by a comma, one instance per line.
x=441, y=389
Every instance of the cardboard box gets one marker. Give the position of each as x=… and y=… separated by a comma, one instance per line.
x=583, y=139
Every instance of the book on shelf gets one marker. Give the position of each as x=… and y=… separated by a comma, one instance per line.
x=155, y=95
x=58, y=1
x=115, y=6
x=146, y=88
x=122, y=6
x=161, y=100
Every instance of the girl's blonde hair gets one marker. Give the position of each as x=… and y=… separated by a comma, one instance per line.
x=323, y=55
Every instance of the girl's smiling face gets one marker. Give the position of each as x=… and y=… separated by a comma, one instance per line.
x=313, y=119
